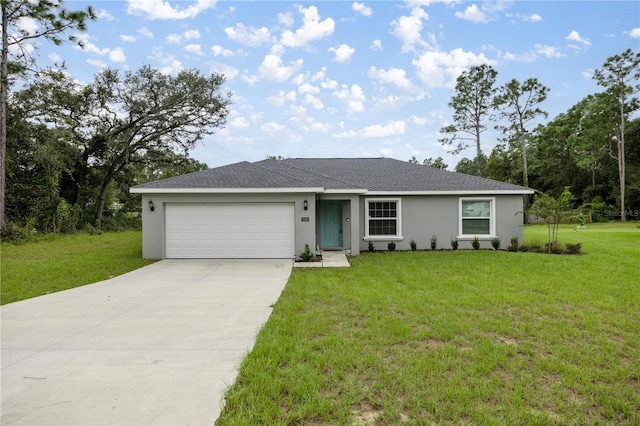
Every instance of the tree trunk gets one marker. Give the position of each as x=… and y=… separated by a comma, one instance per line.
x=621, y=164
x=4, y=82
x=97, y=216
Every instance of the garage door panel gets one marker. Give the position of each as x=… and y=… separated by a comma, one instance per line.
x=230, y=230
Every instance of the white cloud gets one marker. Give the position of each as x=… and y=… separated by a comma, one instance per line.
x=171, y=66
x=635, y=33
x=409, y=29
x=361, y=9
x=117, y=55
x=486, y=13
x=174, y=39
x=280, y=97
x=548, y=51
x=272, y=127
x=54, y=57
x=191, y=34
x=520, y=57
x=196, y=49
x=160, y=9
x=312, y=29
x=376, y=45
x=394, y=76
x=342, y=53
x=440, y=69
x=353, y=97
x=574, y=36
x=286, y=19
x=420, y=121
x=96, y=63
x=392, y=128
x=386, y=152
x=144, y=32
x=531, y=18
x=249, y=36
x=221, y=51
x=272, y=69
x=307, y=87
x=239, y=123
x=104, y=14
x=128, y=38
x=473, y=14
x=229, y=72
x=313, y=102
x=27, y=25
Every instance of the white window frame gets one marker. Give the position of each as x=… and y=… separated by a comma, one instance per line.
x=492, y=219
x=398, y=219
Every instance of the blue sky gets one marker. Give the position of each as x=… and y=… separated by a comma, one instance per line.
x=352, y=79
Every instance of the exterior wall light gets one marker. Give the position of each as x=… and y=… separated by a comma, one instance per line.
x=305, y=204
x=151, y=206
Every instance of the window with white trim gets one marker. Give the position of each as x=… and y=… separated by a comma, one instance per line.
x=383, y=218
x=477, y=216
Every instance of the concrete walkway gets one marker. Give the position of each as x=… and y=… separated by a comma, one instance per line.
x=330, y=259
x=157, y=346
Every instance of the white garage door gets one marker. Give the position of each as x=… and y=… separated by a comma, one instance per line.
x=224, y=230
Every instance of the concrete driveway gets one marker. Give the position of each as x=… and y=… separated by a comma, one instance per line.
x=157, y=346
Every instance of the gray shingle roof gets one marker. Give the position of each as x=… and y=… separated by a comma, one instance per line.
x=372, y=174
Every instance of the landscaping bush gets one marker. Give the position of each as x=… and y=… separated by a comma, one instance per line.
x=495, y=243
x=413, y=244
x=434, y=241
x=475, y=243
x=454, y=243
x=371, y=246
x=571, y=248
x=514, y=244
x=391, y=246
x=306, y=255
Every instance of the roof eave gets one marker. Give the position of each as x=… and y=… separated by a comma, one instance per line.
x=456, y=192
x=142, y=190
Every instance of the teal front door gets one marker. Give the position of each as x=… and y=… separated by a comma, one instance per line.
x=331, y=223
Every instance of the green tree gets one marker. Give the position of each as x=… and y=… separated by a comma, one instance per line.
x=56, y=24
x=121, y=116
x=620, y=76
x=472, y=103
x=437, y=163
x=553, y=210
x=517, y=103
x=475, y=167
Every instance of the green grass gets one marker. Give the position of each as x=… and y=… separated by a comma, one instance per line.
x=464, y=337
x=62, y=262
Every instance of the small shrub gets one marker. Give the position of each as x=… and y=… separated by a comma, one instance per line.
x=371, y=246
x=475, y=243
x=514, y=244
x=573, y=248
x=306, y=255
x=454, y=243
x=434, y=241
x=391, y=246
x=495, y=243
x=581, y=219
x=413, y=244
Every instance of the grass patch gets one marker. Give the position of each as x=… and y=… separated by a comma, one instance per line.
x=454, y=337
x=62, y=262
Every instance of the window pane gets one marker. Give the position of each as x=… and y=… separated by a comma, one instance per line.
x=382, y=227
x=480, y=208
x=382, y=209
x=475, y=227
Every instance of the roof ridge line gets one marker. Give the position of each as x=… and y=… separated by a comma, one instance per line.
x=320, y=174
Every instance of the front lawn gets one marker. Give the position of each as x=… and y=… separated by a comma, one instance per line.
x=62, y=262
x=464, y=337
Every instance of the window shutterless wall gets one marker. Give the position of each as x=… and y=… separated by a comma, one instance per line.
x=424, y=216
